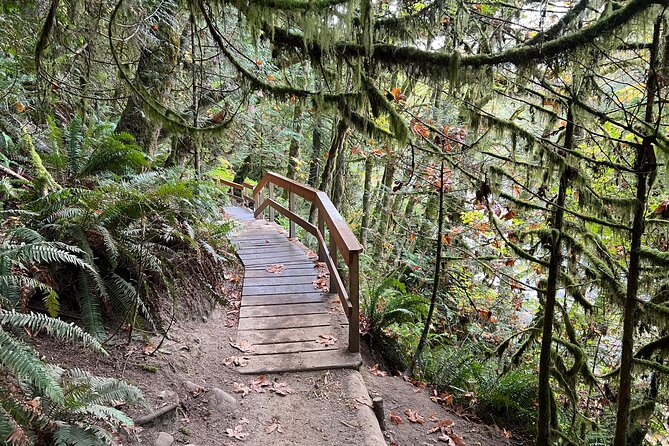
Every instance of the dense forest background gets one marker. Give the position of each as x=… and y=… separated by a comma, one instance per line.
x=504, y=163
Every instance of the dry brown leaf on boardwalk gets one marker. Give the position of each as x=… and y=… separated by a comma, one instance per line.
x=312, y=255
x=259, y=384
x=241, y=388
x=274, y=426
x=395, y=418
x=281, y=389
x=414, y=417
x=236, y=433
x=321, y=284
x=238, y=361
x=374, y=370
x=326, y=339
x=274, y=268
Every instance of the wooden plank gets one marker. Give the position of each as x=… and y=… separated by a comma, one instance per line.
x=262, y=263
x=272, y=248
x=282, y=299
x=286, y=266
x=303, y=361
x=291, y=347
x=275, y=290
x=281, y=280
x=274, y=322
x=283, y=310
x=278, y=256
x=282, y=335
x=287, y=272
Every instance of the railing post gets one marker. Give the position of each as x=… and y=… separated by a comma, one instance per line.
x=271, y=197
x=354, y=296
x=333, y=254
x=257, y=199
x=321, y=228
x=291, y=208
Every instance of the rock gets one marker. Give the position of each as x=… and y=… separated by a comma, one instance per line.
x=220, y=399
x=164, y=439
x=193, y=388
x=168, y=395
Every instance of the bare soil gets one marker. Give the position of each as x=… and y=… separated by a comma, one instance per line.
x=195, y=366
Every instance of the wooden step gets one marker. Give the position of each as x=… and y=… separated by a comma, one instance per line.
x=278, y=289
x=282, y=310
x=283, y=299
x=303, y=361
x=279, y=280
x=286, y=272
x=284, y=321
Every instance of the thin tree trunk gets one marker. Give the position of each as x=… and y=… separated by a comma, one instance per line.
x=294, y=148
x=382, y=213
x=645, y=166
x=544, y=418
x=339, y=179
x=366, y=199
x=435, y=282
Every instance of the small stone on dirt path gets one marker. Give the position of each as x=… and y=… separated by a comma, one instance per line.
x=220, y=399
x=164, y=439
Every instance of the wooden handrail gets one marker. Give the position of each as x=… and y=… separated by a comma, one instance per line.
x=342, y=240
x=239, y=187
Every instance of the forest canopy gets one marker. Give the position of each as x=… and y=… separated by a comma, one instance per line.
x=504, y=163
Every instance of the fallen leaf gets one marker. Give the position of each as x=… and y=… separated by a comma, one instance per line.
x=374, y=370
x=274, y=426
x=236, y=433
x=274, y=268
x=395, y=418
x=281, y=389
x=238, y=361
x=452, y=439
x=148, y=348
x=326, y=339
x=259, y=384
x=441, y=426
x=321, y=284
x=414, y=417
x=241, y=388
x=242, y=346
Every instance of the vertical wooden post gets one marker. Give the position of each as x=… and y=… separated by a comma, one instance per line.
x=333, y=255
x=321, y=228
x=354, y=296
x=291, y=207
x=271, y=197
x=257, y=201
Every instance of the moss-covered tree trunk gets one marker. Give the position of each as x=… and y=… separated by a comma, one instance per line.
x=294, y=148
x=366, y=199
x=544, y=400
x=155, y=70
x=645, y=167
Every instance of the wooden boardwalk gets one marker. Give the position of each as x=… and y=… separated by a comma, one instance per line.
x=286, y=323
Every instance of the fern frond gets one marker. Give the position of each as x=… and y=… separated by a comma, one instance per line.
x=54, y=327
x=16, y=282
x=76, y=435
x=89, y=306
x=24, y=363
x=109, y=244
x=115, y=158
x=25, y=235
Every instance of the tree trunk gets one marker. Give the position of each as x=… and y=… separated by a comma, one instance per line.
x=366, y=199
x=294, y=148
x=435, y=282
x=383, y=207
x=544, y=418
x=155, y=70
x=645, y=167
x=340, y=173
